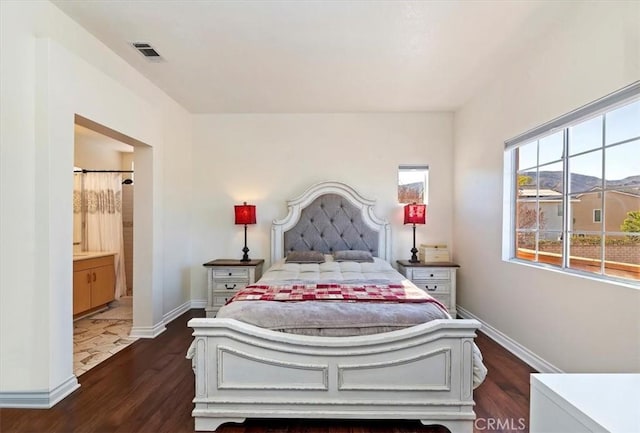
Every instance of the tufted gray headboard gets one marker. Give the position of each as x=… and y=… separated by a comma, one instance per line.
x=331, y=223
x=330, y=216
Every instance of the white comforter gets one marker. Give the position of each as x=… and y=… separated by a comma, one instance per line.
x=333, y=319
x=330, y=270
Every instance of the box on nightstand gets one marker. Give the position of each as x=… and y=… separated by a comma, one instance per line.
x=433, y=253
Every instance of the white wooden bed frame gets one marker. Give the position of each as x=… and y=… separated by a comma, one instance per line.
x=424, y=372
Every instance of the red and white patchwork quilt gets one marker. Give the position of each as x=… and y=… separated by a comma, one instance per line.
x=396, y=293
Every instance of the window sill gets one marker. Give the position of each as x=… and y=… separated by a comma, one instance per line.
x=629, y=284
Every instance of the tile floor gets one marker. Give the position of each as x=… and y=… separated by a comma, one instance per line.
x=95, y=339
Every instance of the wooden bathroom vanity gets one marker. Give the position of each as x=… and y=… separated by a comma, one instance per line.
x=94, y=280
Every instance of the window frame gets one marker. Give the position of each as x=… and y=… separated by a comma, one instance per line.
x=421, y=170
x=624, y=96
x=597, y=212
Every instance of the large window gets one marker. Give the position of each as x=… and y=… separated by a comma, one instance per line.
x=574, y=185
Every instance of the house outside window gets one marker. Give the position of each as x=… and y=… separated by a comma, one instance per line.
x=574, y=189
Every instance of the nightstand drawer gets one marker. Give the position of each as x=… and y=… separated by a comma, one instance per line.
x=226, y=277
x=431, y=274
x=232, y=272
x=222, y=285
x=437, y=280
x=433, y=287
x=221, y=298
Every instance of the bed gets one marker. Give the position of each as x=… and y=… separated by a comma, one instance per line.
x=369, y=360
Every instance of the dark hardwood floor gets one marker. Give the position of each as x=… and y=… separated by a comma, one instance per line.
x=148, y=387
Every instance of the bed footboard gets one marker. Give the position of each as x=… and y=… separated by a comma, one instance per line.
x=424, y=372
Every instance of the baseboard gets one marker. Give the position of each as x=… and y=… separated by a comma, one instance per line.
x=147, y=331
x=198, y=303
x=39, y=399
x=154, y=331
x=511, y=345
x=179, y=310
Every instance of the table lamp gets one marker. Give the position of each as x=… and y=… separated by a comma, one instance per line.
x=245, y=214
x=415, y=214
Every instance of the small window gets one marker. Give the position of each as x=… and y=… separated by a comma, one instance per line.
x=413, y=184
x=597, y=215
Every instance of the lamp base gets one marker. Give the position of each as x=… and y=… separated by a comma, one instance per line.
x=245, y=250
x=414, y=250
x=414, y=255
x=245, y=256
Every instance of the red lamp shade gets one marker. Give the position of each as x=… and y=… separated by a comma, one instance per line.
x=245, y=213
x=415, y=213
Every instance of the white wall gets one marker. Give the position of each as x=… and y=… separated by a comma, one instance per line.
x=92, y=155
x=576, y=324
x=51, y=69
x=265, y=159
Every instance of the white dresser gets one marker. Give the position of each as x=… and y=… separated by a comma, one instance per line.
x=225, y=277
x=571, y=403
x=438, y=279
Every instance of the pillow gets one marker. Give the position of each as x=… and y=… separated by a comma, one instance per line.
x=353, y=256
x=305, y=257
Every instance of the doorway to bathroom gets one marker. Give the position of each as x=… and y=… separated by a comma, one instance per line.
x=103, y=234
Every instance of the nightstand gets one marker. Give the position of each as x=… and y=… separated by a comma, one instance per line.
x=438, y=279
x=225, y=277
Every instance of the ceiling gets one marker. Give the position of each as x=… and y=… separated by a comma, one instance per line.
x=87, y=136
x=318, y=56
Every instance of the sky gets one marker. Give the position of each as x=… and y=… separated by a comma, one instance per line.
x=621, y=161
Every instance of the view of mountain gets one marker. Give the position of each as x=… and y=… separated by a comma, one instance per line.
x=581, y=183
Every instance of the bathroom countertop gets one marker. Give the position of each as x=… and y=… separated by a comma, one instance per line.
x=91, y=255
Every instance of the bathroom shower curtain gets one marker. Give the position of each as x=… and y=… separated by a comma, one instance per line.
x=101, y=203
x=77, y=212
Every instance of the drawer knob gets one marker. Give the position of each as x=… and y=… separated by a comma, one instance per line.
x=431, y=275
x=229, y=288
x=229, y=273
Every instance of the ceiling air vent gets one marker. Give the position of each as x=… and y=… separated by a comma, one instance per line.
x=147, y=50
